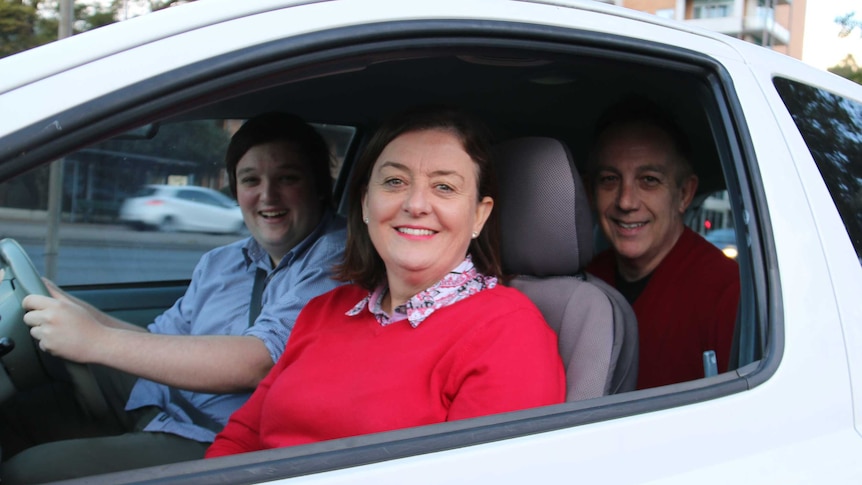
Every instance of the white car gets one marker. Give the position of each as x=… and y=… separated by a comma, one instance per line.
x=783, y=139
x=182, y=208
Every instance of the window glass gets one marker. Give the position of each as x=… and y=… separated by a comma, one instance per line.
x=95, y=245
x=665, y=13
x=832, y=128
x=712, y=219
x=708, y=9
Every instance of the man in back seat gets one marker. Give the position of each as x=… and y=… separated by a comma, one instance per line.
x=684, y=291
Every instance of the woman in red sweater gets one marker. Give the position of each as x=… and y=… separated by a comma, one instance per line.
x=424, y=333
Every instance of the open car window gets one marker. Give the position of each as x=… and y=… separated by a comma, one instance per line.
x=116, y=221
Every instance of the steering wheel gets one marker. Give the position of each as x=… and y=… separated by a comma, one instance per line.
x=25, y=365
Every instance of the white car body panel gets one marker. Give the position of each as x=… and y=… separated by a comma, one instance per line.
x=800, y=426
x=160, y=56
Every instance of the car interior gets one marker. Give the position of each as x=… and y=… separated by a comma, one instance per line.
x=541, y=97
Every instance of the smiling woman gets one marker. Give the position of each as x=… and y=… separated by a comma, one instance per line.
x=423, y=189
x=422, y=210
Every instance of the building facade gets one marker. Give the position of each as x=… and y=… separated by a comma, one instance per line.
x=778, y=24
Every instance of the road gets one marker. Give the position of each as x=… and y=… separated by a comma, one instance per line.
x=99, y=253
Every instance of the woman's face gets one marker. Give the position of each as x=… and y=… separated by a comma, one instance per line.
x=422, y=206
x=276, y=192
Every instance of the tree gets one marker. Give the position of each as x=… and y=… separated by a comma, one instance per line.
x=146, y=5
x=27, y=24
x=21, y=27
x=848, y=24
x=158, y=5
x=848, y=68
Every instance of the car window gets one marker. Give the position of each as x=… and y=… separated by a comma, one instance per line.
x=831, y=126
x=145, y=192
x=195, y=196
x=99, y=179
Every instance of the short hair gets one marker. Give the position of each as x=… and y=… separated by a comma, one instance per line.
x=283, y=127
x=362, y=263
x=638, y=110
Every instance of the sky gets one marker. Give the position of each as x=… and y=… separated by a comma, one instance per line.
x=821, y=46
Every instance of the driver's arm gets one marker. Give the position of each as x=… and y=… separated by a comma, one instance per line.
x=68, y=330
x=185, y=361
x=94, y=312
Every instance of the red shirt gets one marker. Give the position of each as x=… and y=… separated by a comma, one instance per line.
x=345, y=375
x=688, y=306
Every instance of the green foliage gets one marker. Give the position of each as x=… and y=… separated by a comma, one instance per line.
x=848, y=68
x=24, y=25
x=201, y=143
x=19, y=27
x=158, y=5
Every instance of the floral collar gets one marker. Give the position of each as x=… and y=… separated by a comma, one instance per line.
x=460, y=283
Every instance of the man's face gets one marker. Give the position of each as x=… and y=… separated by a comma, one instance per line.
x=637, y=197
x=275, y=190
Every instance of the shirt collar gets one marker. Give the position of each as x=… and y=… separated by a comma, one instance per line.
x=460, y=283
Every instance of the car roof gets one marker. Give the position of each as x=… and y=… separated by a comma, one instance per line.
x=86, y=47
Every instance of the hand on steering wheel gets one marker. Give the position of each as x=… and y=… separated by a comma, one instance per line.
x=24, y=365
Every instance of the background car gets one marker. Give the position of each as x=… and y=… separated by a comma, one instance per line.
x=724, y=239
x=781, y=137
x=182, y=208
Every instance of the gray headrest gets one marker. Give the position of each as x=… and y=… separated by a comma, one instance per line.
x=544, y=212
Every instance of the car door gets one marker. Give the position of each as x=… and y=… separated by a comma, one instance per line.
x=823, y=131
x=217, y=214
x=195, y=211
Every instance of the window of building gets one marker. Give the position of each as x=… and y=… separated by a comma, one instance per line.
x=665, y=13
x=708, y=9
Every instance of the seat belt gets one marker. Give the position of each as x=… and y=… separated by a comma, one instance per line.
x=256, y=296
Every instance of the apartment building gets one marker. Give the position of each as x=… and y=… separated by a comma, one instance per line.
x=778, y=24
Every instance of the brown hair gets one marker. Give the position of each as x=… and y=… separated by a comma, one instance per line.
x=637, y=110
x=362, y=263
x=283, y=127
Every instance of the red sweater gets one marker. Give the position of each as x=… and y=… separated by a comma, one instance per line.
x=688, y=306
x=344, y=376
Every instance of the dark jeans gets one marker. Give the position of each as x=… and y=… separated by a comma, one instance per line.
x=60, y=441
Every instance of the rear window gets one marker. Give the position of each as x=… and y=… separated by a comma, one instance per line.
x=832, y=128
x=145, y=192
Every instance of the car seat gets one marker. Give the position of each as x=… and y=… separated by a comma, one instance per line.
x=546, y=227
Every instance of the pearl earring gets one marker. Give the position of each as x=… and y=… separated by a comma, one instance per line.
x=365, y=220
x=475, y=235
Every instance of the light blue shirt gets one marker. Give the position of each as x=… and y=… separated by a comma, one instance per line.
x=217, y=303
